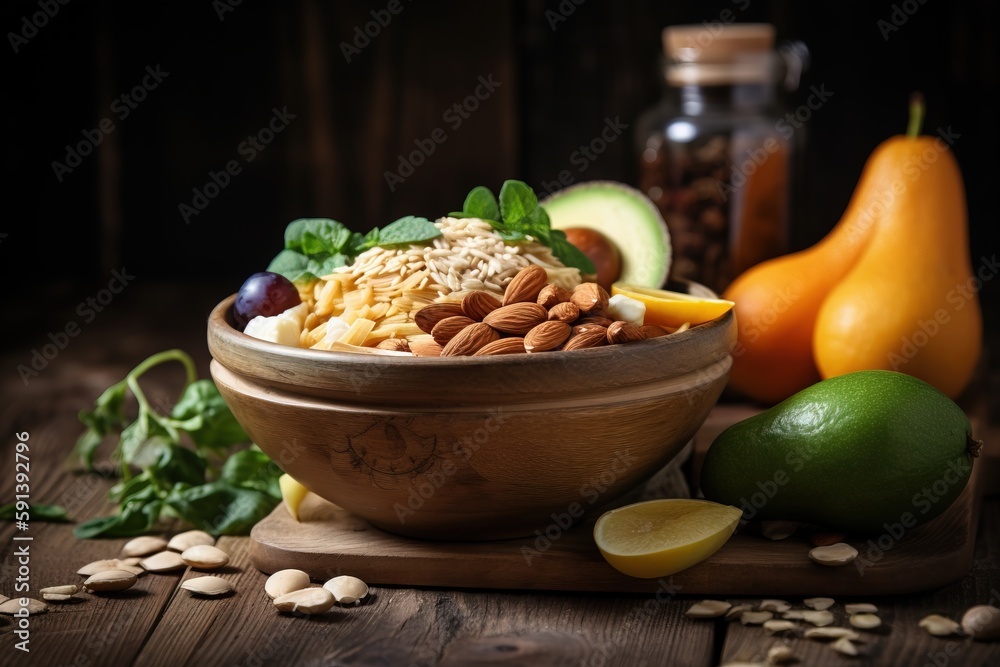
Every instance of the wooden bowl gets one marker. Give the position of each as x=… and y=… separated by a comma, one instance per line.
x=472, y=448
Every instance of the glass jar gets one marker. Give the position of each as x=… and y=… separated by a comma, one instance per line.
x=716, y=155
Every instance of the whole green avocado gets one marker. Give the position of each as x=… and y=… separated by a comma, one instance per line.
x=864, y=452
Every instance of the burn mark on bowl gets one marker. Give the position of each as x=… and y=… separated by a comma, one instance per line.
x=390, y=447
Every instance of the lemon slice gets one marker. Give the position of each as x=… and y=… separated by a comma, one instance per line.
x=661, y=537
x=673, y=309
x=292, y=493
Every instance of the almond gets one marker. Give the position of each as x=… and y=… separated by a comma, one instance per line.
x=564, y=312
x=652, y=331
x=517, y=318
x=591, y=336
x=449, y=327
x=591, y=319
x=425, y=348
x=590, y=296
x=477, y=305
x=469, y=340
x=431, y=314
x=512, y=345
x=552, y=295
x=624, y=332
x=526, y=285
x=588, y=326
x=546, y=336
x=394, y=344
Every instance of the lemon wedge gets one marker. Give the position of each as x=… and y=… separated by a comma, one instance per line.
x=673, y=309
x=657, y=538
x=292, y=493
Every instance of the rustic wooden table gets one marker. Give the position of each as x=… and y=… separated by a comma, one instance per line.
x=156, y=623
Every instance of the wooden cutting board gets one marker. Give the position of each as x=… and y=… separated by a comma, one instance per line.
x=330, y=541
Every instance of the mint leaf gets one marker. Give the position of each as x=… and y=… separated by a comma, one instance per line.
x=569, y=254
x=292, y=265
x=408, y=229
x=252, y=469
x=517, y=201
x=207, y=418
x=221, y=508
x=480, y=203
x=313, y=236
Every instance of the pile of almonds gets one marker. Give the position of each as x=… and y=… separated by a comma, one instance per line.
x=534, y=316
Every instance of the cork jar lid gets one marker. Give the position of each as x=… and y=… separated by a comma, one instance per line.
x=716, y=53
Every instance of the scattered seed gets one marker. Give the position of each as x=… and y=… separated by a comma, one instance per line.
x=709, y=609
x=779, y=654
x=865, y=621
x=183, y=541
x=285, y=581
x=982, y=622
x=834, y=554
x=774, y=626
x=208, y=586
x=831, y=633
x=132, y=561
x=817, y=618
x=56, y=597
x=793, y=614
x=347, y=589
x=940, y=626
x=755, y=617
x=735, y=612
x=110, y=580
x=845, y=646
x=205, y=557
x=165, y=561
x=774, y=605
x=3, y=598
x=143, y=546
x=819, y=604
x=13, y=606
x=67, y=589
x=305, y=601
x=860, y=608
x=778, y=530
x=98, y=566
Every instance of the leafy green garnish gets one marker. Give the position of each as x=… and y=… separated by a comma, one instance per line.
x=315, y=247
x=36, y=512
x=518, y=215
x=179, y=454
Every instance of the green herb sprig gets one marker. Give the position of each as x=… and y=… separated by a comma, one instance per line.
x=177, y=456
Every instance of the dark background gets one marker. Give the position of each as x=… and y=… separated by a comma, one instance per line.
x=119, y=208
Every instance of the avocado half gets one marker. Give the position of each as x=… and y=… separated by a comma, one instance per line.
x=627, y=217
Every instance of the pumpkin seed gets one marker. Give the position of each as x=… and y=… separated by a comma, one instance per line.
x=306, y=601
x=865, y=621
x=13, y=606
x=737, y=611
x=285, y=581
x=982, y=622
x=844, y=646
x=60, y=593
x=831, y=633
x=165, y=561
x=208, y=586
x=779, y=654
x=774, y=626
x=817, y=618
x=755, y=617
x=347, y=589
x=774, y=605
x=708, y=609
x=205, y=557
x=110, y=580
x=183, y=541
x=940, y=626
x=819, y=604
x=794, y=614
x=143, y=546
x=834, y=555
x=860, y=608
